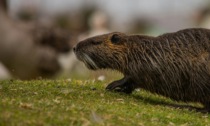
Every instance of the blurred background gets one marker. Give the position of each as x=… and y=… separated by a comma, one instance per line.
x=37, y=36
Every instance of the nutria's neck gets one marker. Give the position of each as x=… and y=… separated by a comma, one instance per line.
x=143, y=53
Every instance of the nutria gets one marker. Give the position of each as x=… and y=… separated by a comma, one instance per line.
x=174, y=65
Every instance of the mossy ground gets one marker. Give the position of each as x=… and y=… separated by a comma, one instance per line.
x=75, y=102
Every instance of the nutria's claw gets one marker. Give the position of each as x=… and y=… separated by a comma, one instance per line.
x=117, y=87
x=113, y=85
x=122, y=85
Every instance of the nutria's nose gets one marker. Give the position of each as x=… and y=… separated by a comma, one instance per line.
x=74, y=48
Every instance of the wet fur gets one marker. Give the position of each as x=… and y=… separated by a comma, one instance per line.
x=175, y=65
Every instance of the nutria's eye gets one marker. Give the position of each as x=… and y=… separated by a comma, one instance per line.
x=115, y=38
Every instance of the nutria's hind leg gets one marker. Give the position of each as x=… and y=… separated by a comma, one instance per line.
x=125, y=85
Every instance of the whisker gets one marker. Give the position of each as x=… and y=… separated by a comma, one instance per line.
x=89, y=61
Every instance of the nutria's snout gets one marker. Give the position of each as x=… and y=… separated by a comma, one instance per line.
x=81, y=46
x=77, y=53
x=83, y=55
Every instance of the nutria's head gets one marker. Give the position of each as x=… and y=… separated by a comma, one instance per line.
x=104, y=51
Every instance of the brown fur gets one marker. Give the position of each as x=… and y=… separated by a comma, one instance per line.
x=175, y=65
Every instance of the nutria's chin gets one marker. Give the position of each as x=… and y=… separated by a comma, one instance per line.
x=174, y=65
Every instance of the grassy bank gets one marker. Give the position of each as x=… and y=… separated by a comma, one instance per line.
x=75, y=102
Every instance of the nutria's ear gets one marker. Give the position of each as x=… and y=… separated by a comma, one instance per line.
x=115, y=39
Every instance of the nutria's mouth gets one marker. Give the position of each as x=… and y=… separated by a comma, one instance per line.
x=89, y=63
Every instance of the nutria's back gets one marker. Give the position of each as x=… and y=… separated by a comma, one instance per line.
x=174, y=65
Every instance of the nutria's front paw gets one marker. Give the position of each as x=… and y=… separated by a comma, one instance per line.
x=118, y=87
x=122, y=85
